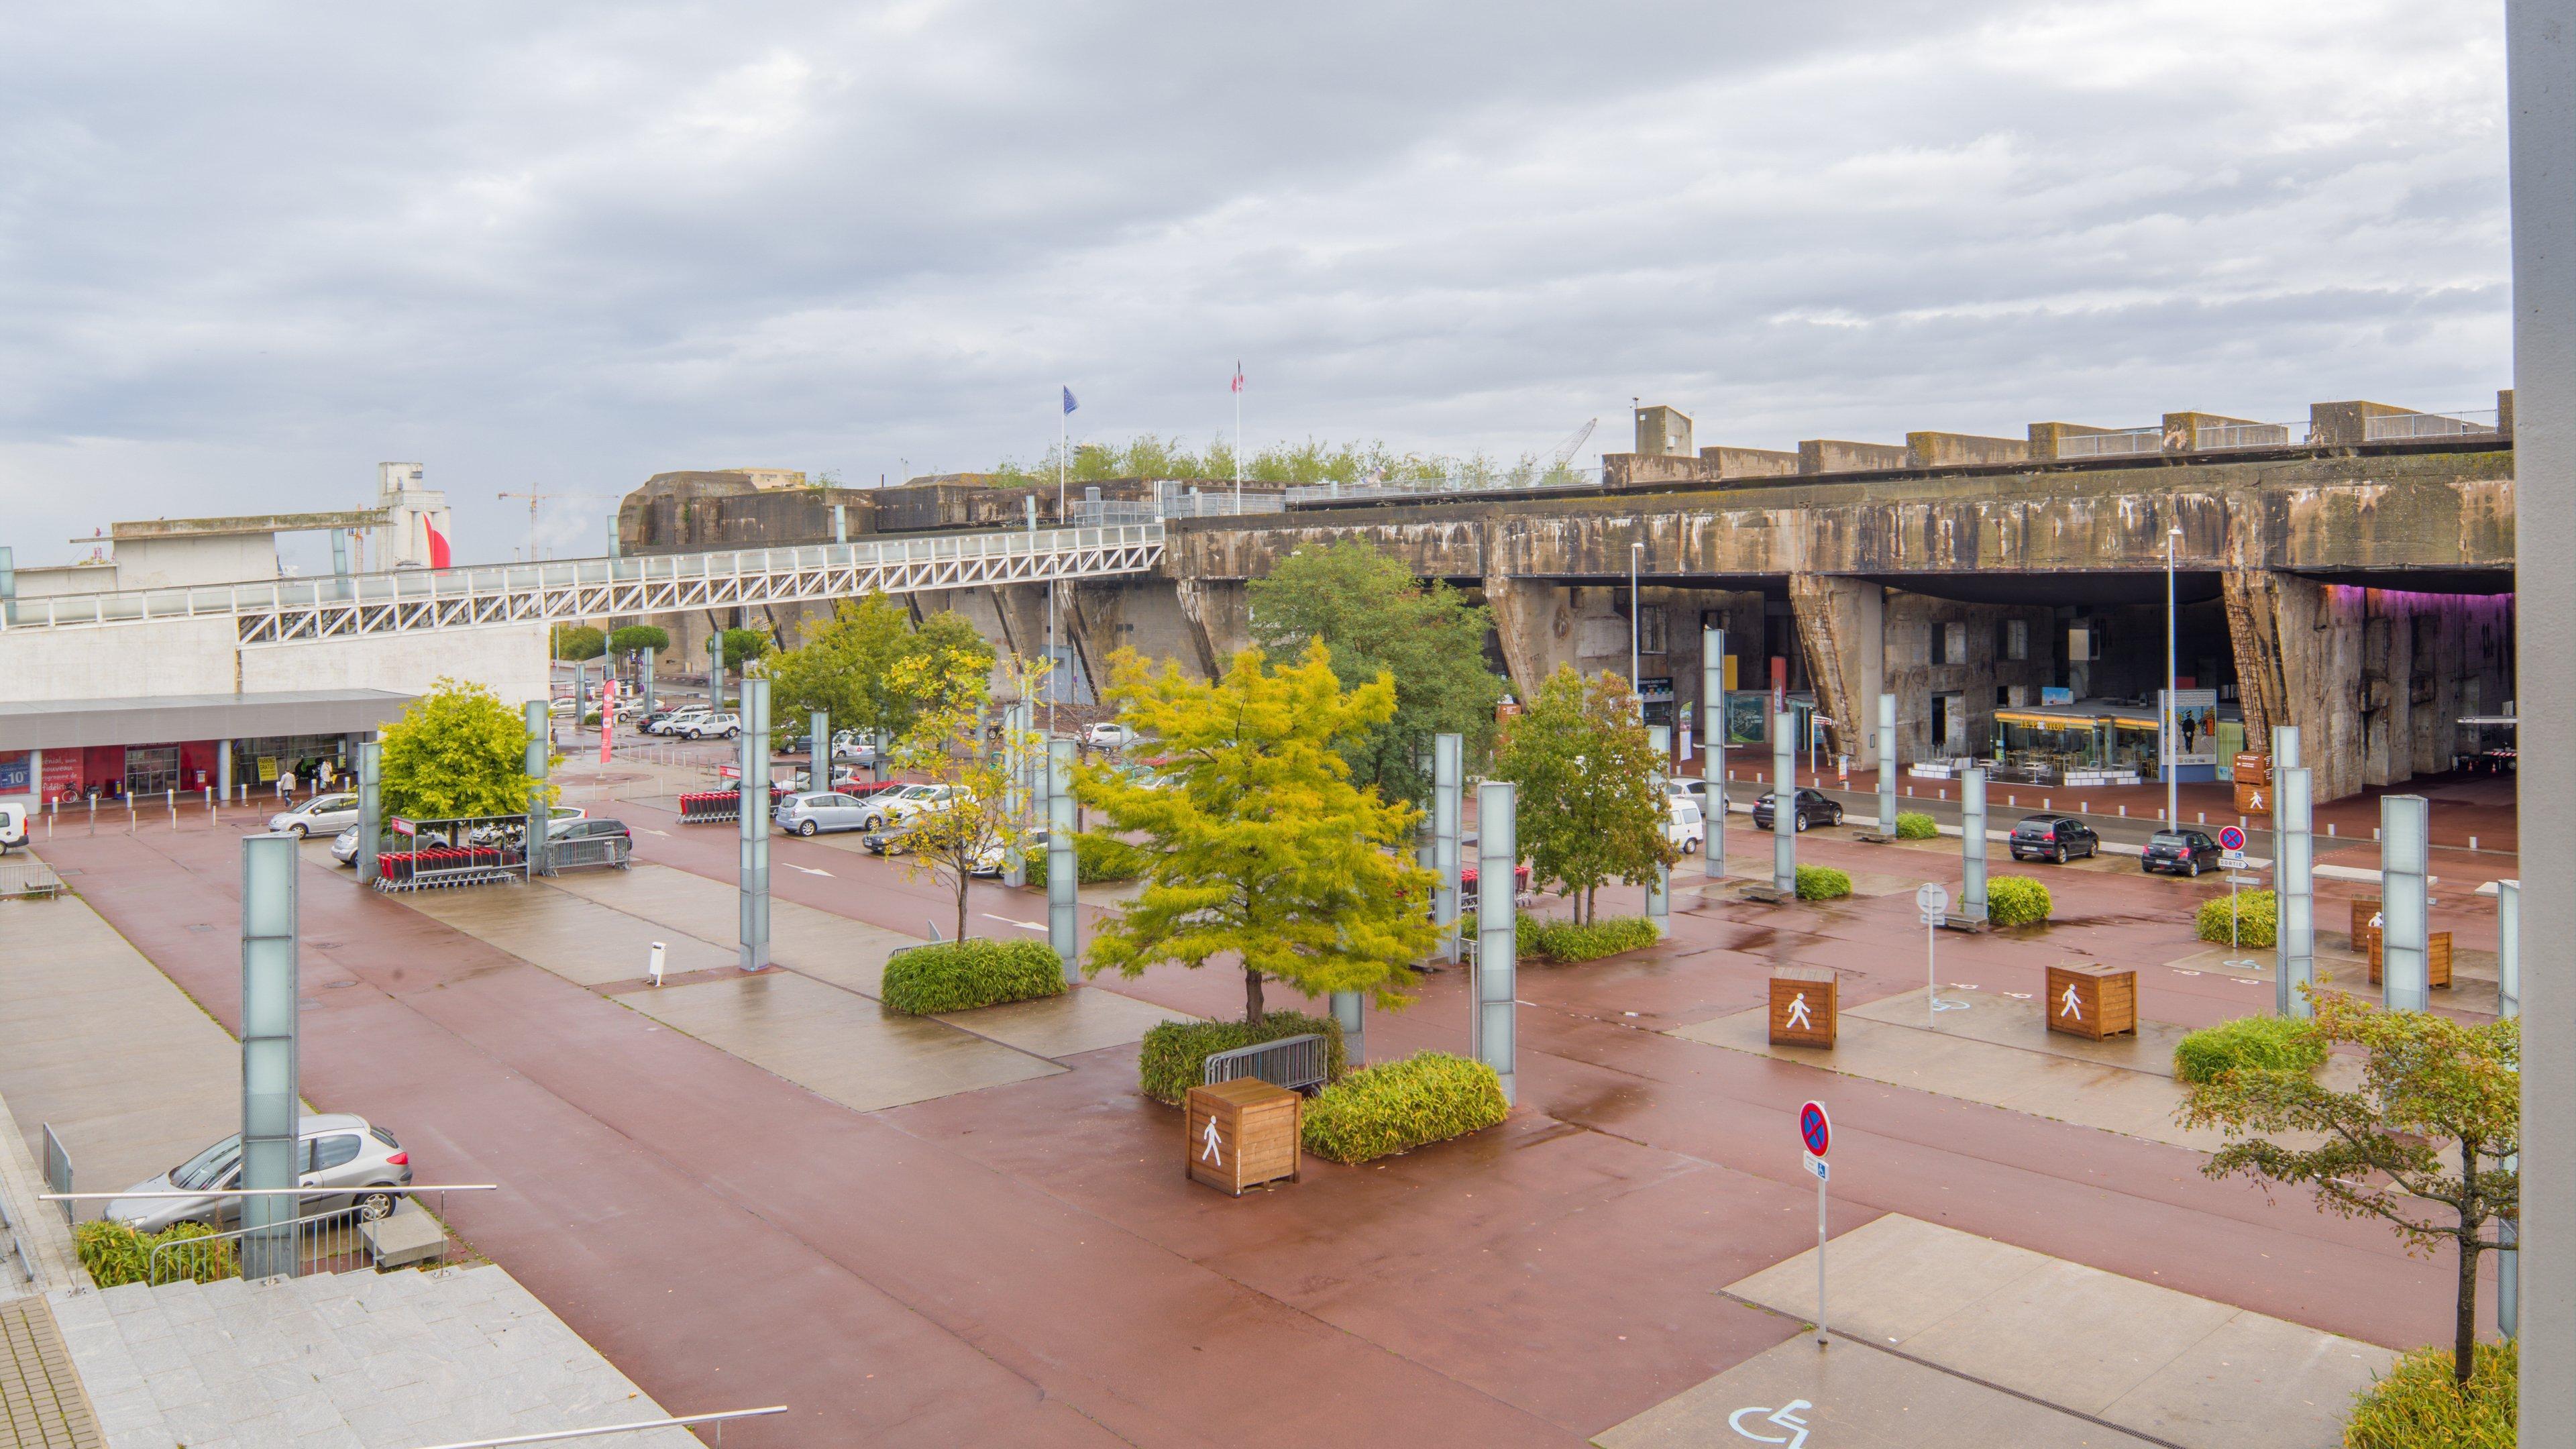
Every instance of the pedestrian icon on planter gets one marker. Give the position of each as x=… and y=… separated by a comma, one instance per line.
x=1211, y=1153
x=2071, y=1006
x=1799, y=1018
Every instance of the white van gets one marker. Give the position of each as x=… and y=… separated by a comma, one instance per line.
x=1684, y=826
x=13, y=826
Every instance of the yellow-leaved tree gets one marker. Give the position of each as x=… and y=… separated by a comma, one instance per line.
x=1262, y=849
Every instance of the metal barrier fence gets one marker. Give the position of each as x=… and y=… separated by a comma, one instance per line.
x=326, y=1242
x=1294, y=1062
x=2220, y=437
x=1223, y=504
x=2402, y=426
x=1434, y=488
x=2121, y=444
x=28, y=878
x=591, y=850
x=560, y=1435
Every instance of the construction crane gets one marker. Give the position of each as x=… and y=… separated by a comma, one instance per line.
x=533, y=500
x=1565, y=451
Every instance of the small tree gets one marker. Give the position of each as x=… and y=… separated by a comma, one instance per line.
x=1378, y=619
x=2422, y=1144
x=741, y=646
x=574, y=643
x=1262, y=846
x=1590, y=811
x=634, y=639
x=946, y=747
x=855, y=667
x=458, y=752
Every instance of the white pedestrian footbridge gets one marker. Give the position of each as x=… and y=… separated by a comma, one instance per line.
x=300, y=610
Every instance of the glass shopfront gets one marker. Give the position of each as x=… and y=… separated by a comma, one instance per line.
x=2074, y=746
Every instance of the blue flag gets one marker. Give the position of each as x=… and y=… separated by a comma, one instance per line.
x=1069, y=403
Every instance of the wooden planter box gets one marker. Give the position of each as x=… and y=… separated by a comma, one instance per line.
x=2092, y=1001
x=1804, y=1006
x=1243, y=1133
x=2253, y=798
x=2437, y=959
x=2365, y=936
x=2252, y=768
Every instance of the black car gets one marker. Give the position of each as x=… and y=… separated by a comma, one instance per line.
x=593, y=842
x=2053, y=837
x=1813, y=809
x=2179, y=852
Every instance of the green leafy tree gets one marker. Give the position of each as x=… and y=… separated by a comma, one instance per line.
x=945, y=746
x=742, y=646
x=457, y=753
x=2424, y=1143
x=1376, y=619
x=1589, y=810
x=634, y=639
x=574, y=643
x=873, y=670
x=1263, y=849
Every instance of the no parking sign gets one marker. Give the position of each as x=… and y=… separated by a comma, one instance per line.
x=2232, y=841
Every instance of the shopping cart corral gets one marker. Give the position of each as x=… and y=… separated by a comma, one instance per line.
x=435, y=854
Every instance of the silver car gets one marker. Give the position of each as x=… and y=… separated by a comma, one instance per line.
x=816, y=811
x=346, y=1160
x=902, y=807
x=325, y=814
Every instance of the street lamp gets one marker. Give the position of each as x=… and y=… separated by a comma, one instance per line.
x=1636, y=686
x=2165, y=746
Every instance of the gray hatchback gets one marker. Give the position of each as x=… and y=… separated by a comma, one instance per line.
x=816, y=811
x=343, y=1158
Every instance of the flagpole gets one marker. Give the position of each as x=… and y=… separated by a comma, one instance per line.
x=1238, y=440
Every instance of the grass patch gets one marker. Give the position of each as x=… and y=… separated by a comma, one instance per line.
x=963, y=975
x=2016, y=900
x=115, y=1254
x=1096, y=858
x=2258, y=920
x=2420, y=1406
x=1398, y=1106
x=1915, y=825
x=1174, y=1054
x=1822, y=883
x=2255, y=1043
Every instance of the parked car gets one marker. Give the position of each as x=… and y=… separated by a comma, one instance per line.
x=330, y=813
x=499, y=831
x=848, y=746
x=815, y=811
x=560, y=705
x=1813, y=808
x=2053, y=837
x=894, y=807
x=13, y=826
x=671, y=721
x=888, y=839
x=1110, y=735
x=990, y=863
x=709, y=726
x=1684, y=826
x=345, y=1158
x=2179, y=852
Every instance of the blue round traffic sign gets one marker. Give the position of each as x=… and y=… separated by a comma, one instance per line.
x=1814, y=1129
x=2230, y=838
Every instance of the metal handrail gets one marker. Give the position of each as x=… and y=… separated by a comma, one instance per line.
x=207, y=1245
x=302, y=1190
x=559, y=1435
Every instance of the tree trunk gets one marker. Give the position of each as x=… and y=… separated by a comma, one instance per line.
x=1252, y=1012
x=962, y=882
x=2464, y=1341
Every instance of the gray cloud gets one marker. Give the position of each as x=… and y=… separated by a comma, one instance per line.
x=246, y=253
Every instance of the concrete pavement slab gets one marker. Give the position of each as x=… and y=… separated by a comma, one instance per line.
x=848, y=953
x=1086, y=1018
x=1851, y=1396
x=567, y=933
x=839, y=1044
x=2148, y=1358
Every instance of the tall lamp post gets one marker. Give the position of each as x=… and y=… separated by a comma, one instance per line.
x=2165, y=745
x=1636, y=686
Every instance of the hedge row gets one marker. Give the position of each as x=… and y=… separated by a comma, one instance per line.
x=1398, y=1106
x=2420, y=1406
x=2257, y=919
x=2259, y=1043
x=1915, y=825
x=115, y=1254
x=963, y=975
x=1096, y=858
x=2016, y=900
x=1822, y=883
x=1564, y=941
x=1174, y=1053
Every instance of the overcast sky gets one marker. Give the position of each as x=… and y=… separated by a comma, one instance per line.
x=247, y=251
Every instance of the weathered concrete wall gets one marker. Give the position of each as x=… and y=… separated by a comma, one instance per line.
x=1946, y=450
x=1750, y=462
x=1835, y=455
x=1118, y=615
x=1976, y=671
x=1843, y=627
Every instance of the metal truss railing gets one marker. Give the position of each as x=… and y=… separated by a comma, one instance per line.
x=292, y=611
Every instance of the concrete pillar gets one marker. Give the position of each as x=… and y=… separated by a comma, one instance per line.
x=2294, y=856
x=1659, y=891
x=1712, y=759
x=1015, y=740
x=1842, y=626
x=1062, y=870
x=1972, y=843
x=223, y=771
x=540, y=756
x=753, y=822
x=270, y=1099
x=841, y=522
x=645, y=679
x=2285, y=746
x=1784, y=803
x=1448, y=776
x=1350, y=1009
x=371, y=815
x=2404, y=855
x=2508, y=948
x=1497, y=929
x=2540, y=48
x=1887, y=753
x=818, y=754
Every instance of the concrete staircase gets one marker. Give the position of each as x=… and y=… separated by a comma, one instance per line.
x=348, y=1360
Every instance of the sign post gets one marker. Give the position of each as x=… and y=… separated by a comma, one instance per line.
x=2231, y=845
x=1816, y=1134
x=1932, y=902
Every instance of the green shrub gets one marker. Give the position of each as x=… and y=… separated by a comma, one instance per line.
x=1096, y=858
x=1915, y=825
x=2261, y=1043
x=590, y=720
x=115, y=1254
x=1567, y=942
x=1174, y=1054
x=2257, y=919
x=2016, y=900
x=963, y=975
x=2420, y=1406
x=1397, y=1106
x=1822, y=883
